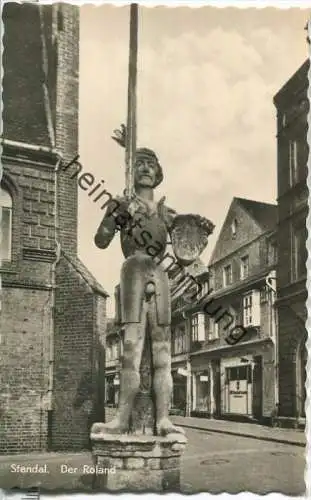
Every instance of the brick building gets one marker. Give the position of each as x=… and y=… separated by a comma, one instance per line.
x=52, y=309
x=237, y=380
x=292, y=107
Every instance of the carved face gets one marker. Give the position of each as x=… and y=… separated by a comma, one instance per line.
x=145, y=171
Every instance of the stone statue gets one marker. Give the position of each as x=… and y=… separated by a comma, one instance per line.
x=144, y=226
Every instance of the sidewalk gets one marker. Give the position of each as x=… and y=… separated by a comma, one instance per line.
x=249, y=430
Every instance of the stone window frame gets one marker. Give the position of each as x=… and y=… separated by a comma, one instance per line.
x=244, y=269
x=6, y=207
x=227, y=275
x=8, y=184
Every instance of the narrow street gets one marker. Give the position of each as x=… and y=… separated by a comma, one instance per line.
x=212, y=463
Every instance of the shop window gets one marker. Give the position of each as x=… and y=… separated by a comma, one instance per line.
x=5, y=225
x=241, y=372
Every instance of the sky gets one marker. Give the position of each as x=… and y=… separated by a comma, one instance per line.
x=206, y=81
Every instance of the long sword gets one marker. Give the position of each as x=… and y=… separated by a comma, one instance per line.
x=130, y=144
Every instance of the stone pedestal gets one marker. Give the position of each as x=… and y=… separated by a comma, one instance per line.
x=137, y=463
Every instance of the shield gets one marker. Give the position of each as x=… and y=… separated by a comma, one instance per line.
x=189, y=236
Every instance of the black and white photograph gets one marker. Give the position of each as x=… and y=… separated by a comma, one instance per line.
x=153, y=248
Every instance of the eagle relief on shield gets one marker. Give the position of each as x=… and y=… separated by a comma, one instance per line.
x=189, y=236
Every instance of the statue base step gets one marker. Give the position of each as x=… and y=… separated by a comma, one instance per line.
x=137, y=463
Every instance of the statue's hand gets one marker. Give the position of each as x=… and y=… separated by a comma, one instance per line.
x=126, y=205
x=120, y=135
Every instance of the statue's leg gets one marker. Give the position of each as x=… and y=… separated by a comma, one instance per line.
x=162, y=378
x=134, y=334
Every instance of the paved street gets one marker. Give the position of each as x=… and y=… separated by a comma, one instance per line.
x=220, y=463
x=213, y=462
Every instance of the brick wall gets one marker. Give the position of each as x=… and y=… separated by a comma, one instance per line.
x=74, y=359
x=25, y=323
x=27, y=119
x=31, y=187
x=79, y=315
x=100, y=358
x=67, y=106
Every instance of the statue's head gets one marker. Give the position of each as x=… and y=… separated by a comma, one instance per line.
x=148, y=171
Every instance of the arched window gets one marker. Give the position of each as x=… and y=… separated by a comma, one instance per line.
x=5, y=225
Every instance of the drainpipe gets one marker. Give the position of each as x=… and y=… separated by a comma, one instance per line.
x=53, y=288
x=188, y=388
x=273, y=327
x=274, y=322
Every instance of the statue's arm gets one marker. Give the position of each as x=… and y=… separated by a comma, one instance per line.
x=109, y=225
x=105, y=231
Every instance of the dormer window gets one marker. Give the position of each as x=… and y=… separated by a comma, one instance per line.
x=5, y=225
x=234, y=226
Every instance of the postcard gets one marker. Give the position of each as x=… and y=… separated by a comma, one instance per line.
x=153, y=251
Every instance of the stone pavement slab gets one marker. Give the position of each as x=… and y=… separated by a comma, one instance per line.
x=286, y=436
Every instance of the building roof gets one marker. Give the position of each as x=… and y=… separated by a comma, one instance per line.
x=265, y=214
x=86, y=274
x=262, y=217
x=297, y=82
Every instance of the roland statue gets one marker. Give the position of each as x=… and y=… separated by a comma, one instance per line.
x=145, y=227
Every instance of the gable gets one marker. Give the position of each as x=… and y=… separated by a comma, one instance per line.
x=247, y=229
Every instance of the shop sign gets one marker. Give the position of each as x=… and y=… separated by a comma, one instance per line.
x=203, y=378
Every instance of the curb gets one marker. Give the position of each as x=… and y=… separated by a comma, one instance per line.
x=260, y=438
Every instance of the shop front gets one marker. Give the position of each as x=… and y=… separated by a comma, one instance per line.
x=112, y=389
x=202, y=376
x=248, y=382
x=179, y=393
x=238, y=389
x=201, y=393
